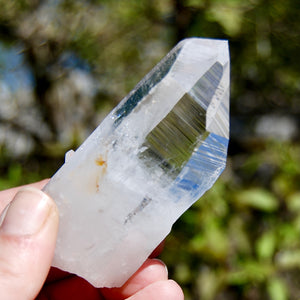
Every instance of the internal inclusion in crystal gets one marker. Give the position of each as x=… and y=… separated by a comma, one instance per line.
x=184, y=127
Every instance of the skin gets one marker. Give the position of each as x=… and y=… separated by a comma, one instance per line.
x=26, y=252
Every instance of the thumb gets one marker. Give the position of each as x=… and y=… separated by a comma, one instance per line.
x=28, y=229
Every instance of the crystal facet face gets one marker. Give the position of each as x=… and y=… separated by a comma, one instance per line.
x=152, y=157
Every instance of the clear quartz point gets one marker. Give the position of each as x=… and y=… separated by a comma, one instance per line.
x=152, y=157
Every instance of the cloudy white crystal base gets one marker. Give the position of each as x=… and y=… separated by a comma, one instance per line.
x=120, y=193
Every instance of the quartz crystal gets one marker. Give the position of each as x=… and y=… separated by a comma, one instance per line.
x=151, y=158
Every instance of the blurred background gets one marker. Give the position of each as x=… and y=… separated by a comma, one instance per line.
x=65, y=64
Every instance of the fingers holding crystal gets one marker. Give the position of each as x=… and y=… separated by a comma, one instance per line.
x=151, y=271
x=163, y=290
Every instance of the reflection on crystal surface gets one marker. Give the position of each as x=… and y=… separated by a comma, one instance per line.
x=207, y=160
x=185, y=125
x=154, y=155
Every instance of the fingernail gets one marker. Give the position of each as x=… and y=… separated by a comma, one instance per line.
x=27, y=213
x=159, y=260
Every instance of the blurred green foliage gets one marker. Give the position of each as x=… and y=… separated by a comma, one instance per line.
x=241, y=240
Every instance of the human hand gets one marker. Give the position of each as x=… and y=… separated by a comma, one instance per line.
x=28, y=229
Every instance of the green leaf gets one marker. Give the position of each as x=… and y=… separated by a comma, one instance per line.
x=249, y=271
x=265, y=246
x=277, y=289
x=293, y=202
x=257, y=198
x=182, y=272
x=208, y=283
